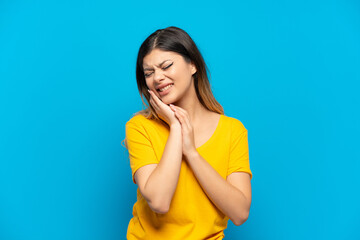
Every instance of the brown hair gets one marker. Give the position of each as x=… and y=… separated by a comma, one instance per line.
x=176, y=40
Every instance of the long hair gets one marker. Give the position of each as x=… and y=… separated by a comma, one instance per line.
x=176, y=40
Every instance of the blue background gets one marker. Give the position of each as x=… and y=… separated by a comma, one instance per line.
x=289, y=70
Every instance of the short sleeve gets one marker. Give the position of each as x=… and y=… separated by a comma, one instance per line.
x=239, y=150
x=139, y=146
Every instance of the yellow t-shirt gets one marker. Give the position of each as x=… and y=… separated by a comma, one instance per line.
x=192, y=215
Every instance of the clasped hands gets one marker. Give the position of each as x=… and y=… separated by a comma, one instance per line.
x=174, y=115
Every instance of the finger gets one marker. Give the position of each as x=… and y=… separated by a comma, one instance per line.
x=180, y=110
x=182, y=119
x=172, y=107
x=185, y=116
x=153, y=97
x=156, y=98
x=179, y=116
x=153, y=103
x=151, y=93
x=187, y=120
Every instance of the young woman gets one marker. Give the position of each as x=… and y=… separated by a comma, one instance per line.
x=189, y=160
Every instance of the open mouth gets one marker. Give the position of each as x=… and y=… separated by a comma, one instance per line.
x=165, y=88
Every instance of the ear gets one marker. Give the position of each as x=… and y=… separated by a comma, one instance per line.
x=193, y=68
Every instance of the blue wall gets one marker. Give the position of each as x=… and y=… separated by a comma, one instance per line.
x=289, y=70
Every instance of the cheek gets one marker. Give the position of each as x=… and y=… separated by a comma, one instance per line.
x=148, y=83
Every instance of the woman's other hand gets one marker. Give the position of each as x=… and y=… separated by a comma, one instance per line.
x=163, y=111
x=186, y=129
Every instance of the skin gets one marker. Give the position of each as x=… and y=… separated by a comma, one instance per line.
x=186, y=117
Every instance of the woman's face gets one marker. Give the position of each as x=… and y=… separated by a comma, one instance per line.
x=168, y=75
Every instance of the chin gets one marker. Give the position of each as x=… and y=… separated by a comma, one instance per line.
x=167, y=100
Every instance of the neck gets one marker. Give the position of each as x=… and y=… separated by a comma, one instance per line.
x=191, y=104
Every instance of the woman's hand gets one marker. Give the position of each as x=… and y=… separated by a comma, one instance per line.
x=162, y=110
x=186, y=129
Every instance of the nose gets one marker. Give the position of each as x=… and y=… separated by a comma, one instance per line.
x=158, y=76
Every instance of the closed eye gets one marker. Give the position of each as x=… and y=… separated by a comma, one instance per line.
x=168, y=66
x=147, y=74
x=164, y=68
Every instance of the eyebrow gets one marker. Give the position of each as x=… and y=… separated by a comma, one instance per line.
x=145, y=69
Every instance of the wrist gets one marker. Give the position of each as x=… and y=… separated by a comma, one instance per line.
x=175, y=125
x=191, y=154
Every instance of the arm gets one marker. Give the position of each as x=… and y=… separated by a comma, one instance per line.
x=231, y=196
x=157, y=182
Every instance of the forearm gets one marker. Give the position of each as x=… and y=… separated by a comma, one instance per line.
x=161, y=184
x=226, y=197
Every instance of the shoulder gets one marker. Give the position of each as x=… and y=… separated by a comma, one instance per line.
x=234, y=124
x=136, y=119
x=144, y=124
x=136, y=129
x=140, y=120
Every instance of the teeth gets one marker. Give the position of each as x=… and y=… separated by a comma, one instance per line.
x=165, y=88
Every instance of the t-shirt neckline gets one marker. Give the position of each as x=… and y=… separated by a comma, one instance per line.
x=213, y=135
